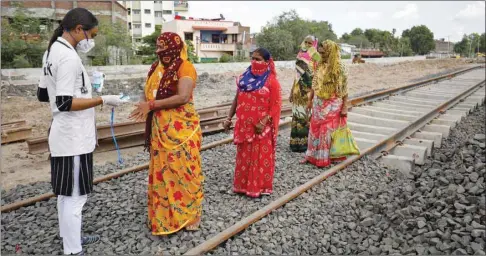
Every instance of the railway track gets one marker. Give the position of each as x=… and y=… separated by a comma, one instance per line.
x=130, y=134
x=15, y=131
x=400, y=126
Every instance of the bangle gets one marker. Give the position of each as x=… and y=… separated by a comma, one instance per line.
x=152, y=104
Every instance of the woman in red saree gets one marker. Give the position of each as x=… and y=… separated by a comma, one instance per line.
x=327, y=99
x=257, y=105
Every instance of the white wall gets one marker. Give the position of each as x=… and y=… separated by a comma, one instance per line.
x=31, y=75
x=147, y=18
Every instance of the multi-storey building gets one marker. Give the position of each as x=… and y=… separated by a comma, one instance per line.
x=52, y=12
x=144, y=16
x=212, y=39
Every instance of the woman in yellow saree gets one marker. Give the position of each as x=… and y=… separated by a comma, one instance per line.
x=173, y=137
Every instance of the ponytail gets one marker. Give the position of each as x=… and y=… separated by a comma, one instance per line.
x=57, y=33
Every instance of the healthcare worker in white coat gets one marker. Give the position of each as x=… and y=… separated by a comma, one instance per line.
x=65, y=84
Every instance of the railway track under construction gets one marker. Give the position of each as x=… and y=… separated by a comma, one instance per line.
x=399, y=126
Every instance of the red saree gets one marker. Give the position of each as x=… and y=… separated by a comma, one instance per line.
x=255, y=157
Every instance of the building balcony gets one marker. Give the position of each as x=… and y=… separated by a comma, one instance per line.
x=210, y=47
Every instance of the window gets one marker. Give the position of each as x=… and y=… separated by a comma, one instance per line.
x=157, y=2
x=188, y=36
x=129, y=11
x=148, y=25
x=137, y=25
x=146, y=11
x=158, y=14
x=129, y=25
x=136, y=11
x=138, y=40
x=166, y=11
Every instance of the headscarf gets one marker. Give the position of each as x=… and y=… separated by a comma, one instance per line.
x=253, y=78
x=306, y=53
x=329, y=77
x=171, y=56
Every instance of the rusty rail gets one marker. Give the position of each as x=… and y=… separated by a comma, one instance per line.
x=15, y=131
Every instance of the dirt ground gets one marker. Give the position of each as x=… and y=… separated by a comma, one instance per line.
x=18, y=167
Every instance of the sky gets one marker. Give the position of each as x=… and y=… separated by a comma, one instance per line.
x=446, y=19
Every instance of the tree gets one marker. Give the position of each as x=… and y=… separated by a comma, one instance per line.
x=293, y=28
x=149, y=45
x=373, y=35
x=404, y=47
x=278, y=42
x=345, y=37
x=23, y=41
x=191, y=54
x=421, y=39
x=112, y=42
x=357, y=32
x=359, y=41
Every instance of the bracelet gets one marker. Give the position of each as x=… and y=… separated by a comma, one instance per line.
x=152, y=104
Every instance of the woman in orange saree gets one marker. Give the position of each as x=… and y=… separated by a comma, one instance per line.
x=173, y=137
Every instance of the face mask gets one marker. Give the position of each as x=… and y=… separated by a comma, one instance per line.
x=258, y=67
x=85, y=45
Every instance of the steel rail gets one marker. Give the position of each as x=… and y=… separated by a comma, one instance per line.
x=384, y=145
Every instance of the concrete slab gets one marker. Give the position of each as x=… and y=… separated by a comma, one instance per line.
x=427, y=95
x=456, y=118
x=419, y=153
x=409, y=104
x=399, y=107
x=429, y=144
x=371, y=128
x=413, y=101
x=369, y=120
x=435, y=136
x=403, y=164
x=444, y=129
x=394, y=111
x=440, y=121
x=364, y=144
x=383, y=114
x=369, y=136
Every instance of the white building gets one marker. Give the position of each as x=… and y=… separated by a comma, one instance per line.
x=211, y=39
x=347, y=49
x=143, y=16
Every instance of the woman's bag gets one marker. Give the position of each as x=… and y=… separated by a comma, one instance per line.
x=342, y=142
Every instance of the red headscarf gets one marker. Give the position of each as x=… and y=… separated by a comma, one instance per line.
x=169, y=56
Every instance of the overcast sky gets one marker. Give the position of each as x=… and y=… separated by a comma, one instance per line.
x=444, y=18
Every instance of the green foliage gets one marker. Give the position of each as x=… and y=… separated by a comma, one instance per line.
x=113, y=37
x=357, y=32
x=17, y=52
x=191, y=53
x=471, y=44
x=421, y=39
x=283, y=36
x=225, y=58
x=346, y=56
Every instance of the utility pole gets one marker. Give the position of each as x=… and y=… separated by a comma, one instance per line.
x=448, y=47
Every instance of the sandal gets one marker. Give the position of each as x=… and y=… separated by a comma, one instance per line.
x=194, y=226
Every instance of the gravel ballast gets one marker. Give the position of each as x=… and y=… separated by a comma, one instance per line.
x=368, y=209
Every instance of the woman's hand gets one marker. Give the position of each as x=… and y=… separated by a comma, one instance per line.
x=227, y=124
x=140, y=112
x=259, y=128
x=309, y=105
x=344, y=111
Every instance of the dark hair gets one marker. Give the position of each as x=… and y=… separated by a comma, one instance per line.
x=76, y=16
x=264, y=53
